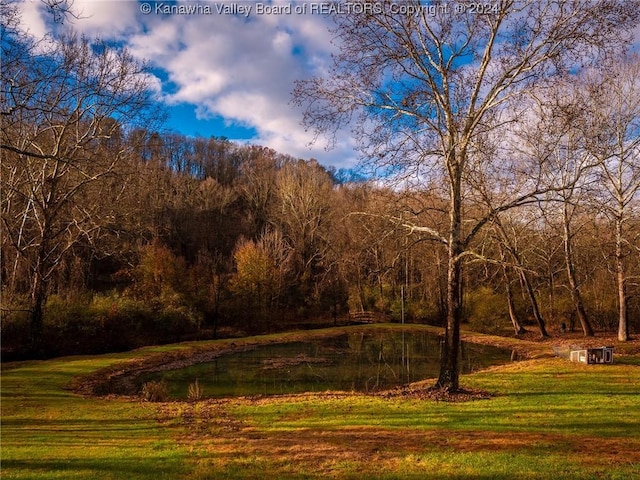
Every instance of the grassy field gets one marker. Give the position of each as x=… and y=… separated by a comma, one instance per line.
x=548, y=419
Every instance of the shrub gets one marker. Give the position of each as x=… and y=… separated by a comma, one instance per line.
x=153, y=391
x=15, y=329
x=486, y=310
x=195, y=391
x=175, y=321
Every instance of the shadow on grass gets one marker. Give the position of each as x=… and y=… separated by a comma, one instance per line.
x=127, y=448
x=126, y=468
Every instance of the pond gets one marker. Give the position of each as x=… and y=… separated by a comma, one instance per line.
x=363, y=362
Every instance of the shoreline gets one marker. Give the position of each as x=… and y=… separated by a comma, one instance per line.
x=118, y=379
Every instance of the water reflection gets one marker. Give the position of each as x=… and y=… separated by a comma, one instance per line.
x=360, y=361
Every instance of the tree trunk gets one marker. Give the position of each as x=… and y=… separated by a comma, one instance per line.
x=525, y=281
x=534, y=304
x=38, y=298
x=623, y=324
x=576, y=297
x=449, y=361
x=517, y=327
x=442, y=296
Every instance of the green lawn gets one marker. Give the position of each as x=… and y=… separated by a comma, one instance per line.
x=48, y=432
x=549, y=419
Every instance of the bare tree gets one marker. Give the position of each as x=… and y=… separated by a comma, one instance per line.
x=613, y=137
x=509, y=244
x=592, y=125
x=571, y=199
x=257, y=184
x=421, y=86
x=554, y=134
x=66, y=108
x=60, y=10
x=513, y=315
x=262, y=269
x=302, y=212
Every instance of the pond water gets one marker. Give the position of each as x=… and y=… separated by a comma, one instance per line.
x=363, y=362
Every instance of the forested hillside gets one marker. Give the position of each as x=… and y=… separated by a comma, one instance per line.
x=203, y=236
x=117, y=233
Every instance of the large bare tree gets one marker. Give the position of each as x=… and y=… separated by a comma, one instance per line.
x=423, y=86
x=554, y=133
x=613, y=136
x=302, y=212
x=66, y=104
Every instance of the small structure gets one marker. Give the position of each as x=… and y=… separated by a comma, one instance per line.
x=592, y=355
x=367, y=317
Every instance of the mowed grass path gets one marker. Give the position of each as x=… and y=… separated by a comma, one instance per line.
x=548, y=419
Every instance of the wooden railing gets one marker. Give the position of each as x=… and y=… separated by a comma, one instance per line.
x=367, y=317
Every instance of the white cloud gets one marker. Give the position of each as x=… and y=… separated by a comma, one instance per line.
x=32, y=18
x=94, y=18
x=106, y=18
x=242, y=69
x=282, y=43
x=160, y=43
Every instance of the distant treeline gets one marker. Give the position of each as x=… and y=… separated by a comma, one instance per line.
x=205, y=237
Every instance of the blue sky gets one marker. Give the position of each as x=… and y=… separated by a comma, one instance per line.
x=218, y=73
